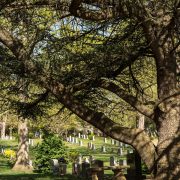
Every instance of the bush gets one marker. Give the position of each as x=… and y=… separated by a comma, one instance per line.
x=51, y=147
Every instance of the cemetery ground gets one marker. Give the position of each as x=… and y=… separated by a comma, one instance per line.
x=111, y=150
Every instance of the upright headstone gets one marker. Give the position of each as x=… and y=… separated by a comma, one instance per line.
x=97, y=164
x=85, y=167
x=113, y=161
x=91, y=159
x=123, y=162
x=89, y=145
x=93, y=147
x=134, y=160
x=54, y=164
x=76, y=169
x=103, y=148
x=112, y=141
x=93, y=138
x=79, y=135
x=121, y=144
x=80, y=143
x=105, y=140
x=120, y=151
x=76, y=140
x=72, y=140
x=79, y=159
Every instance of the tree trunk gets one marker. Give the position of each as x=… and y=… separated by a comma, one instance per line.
x=167, y=118
x=3, y=129
x=22, y=161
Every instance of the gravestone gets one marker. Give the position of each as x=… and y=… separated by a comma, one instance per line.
x=76, y=140
x=120, y=151
x=112, y=141
x=67, y=139
x=79, y=159
x=97, y=164
x=79, y=135
x=72, y=140
x=54, y=164
x=123, y=162
x=93, y=138
x=89, y=145
x=80, y=143
x=76, y=169
x=112, y=161
x=93, y=147
x=91, y=159
x=121, y=144
x=134, y=160
x=62, y=166
x=105, y=140
x=85, y=167
x=103, y=149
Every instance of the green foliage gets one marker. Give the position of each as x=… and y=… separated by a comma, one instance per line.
x=73, y=155
x=51, y=147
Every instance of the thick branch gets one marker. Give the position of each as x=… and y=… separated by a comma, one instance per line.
x=135, y=137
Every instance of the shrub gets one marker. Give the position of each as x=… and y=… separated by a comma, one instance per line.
x=51, y=147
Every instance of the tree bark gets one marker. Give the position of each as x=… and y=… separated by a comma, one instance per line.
x=22, y=159
x=167, y=118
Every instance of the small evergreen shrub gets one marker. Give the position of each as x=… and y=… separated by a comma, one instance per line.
x=51, y=147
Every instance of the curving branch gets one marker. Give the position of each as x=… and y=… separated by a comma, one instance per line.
x=135, y=137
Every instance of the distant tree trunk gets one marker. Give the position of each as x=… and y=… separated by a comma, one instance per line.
x=3, y=129
x=22, y=161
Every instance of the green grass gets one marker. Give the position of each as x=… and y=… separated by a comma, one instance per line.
x=7, y=173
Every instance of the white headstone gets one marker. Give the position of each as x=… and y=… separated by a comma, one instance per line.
x=79, y=135
x=105, y=140
x=80, y=143
x=76, y=140
x=112, y=141
x=93, y=138
x=70, y=139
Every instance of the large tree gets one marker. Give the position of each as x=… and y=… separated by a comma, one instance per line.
x=135, y=30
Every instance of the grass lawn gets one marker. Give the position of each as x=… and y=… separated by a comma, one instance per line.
x=7, y=173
